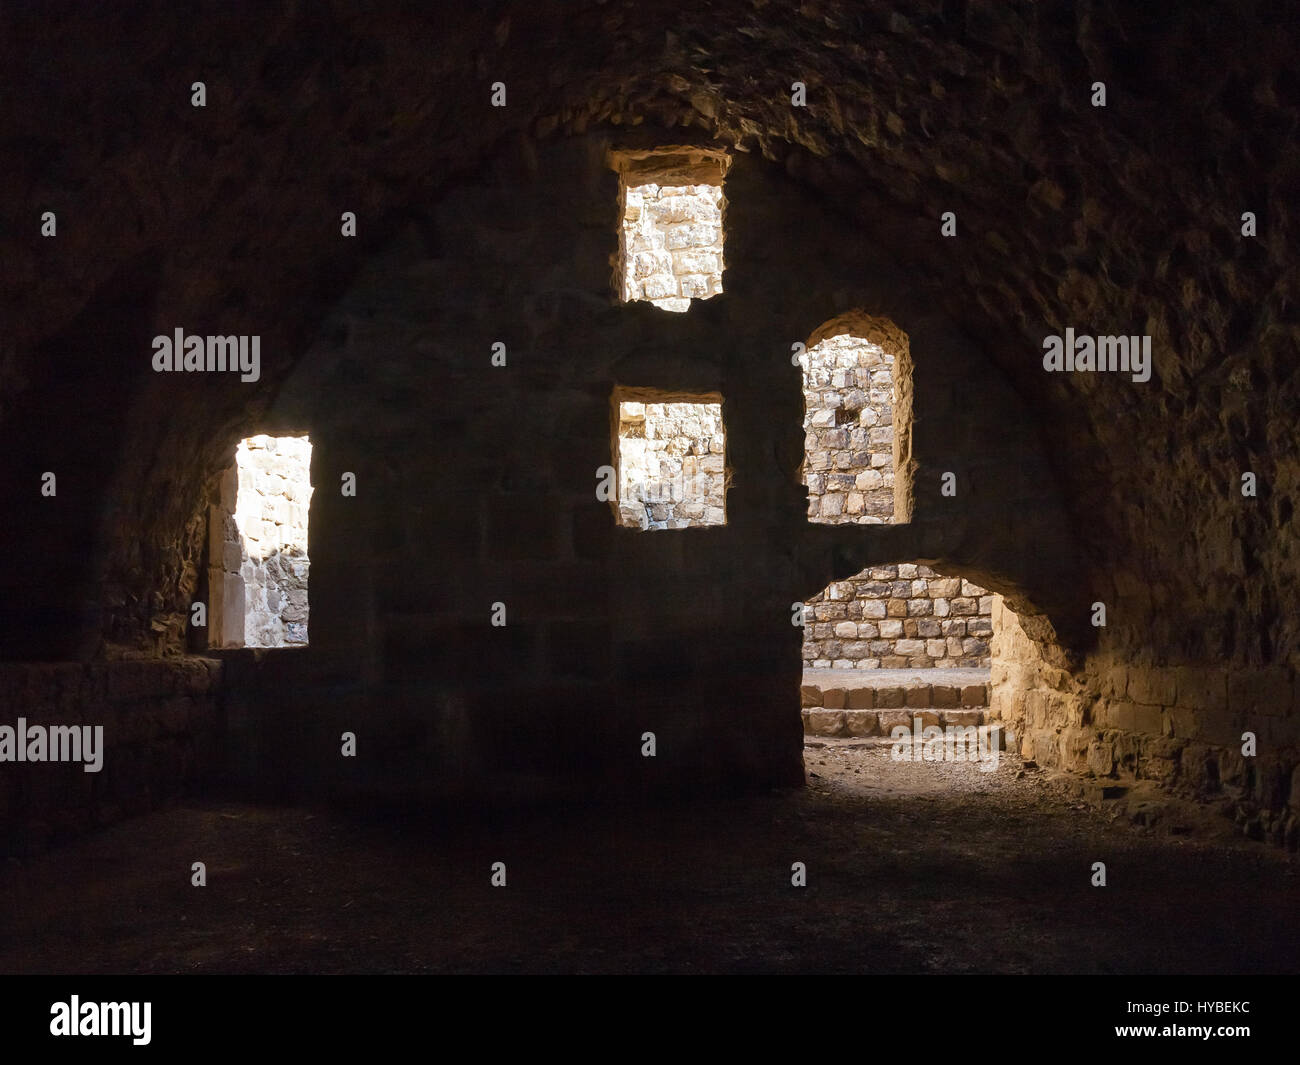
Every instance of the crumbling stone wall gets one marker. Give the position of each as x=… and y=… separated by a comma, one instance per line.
x=271, y=515
x=896, y=617
x=849, y=430
x=1213, y=732
x=671, y=465
x=672, y=243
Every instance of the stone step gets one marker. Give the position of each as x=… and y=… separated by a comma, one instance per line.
x=896, y=697
x=822, y=722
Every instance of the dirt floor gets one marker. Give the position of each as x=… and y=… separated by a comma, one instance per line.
x=911, y=867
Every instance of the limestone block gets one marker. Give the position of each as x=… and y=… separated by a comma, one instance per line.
x=1150, y=685
x=824, y=722
x=1101, y=758
x=1265, y=692
x=1183, y=722
x=1122, y=714
x=917, y=696
x=861, y=698
x=648, y=263
x=862, y=722
x=696, y=262
x=1148, y=718
x=944, y=695
x=694, y=286
x=659, y=287
x=1205, y=688
x=892, y=719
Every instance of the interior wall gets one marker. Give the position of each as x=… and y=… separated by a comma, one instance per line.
x=1210, y=731
x=1071, y=489
x=477, y=485
x=162, y=737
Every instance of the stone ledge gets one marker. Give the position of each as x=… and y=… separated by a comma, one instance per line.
x=920, y=689
x=821, y=722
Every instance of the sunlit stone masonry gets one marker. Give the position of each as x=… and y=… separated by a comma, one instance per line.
x=899, y=617
x=672, y=244
x=849, y=431
x=672, y=471
x=271, y=515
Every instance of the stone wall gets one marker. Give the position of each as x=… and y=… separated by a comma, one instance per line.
x=1062, y=500
x=671, y=465
x=1182, y=726
x=886, y=617
x=162, y=722
x=475, y=487
x=226, y=556
x=849, y=430
x=271, y=516
x=672, y=243
x=897, y=617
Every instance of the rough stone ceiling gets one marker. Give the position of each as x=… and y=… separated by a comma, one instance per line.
x=1123, y=219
